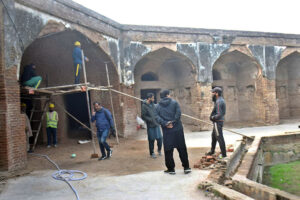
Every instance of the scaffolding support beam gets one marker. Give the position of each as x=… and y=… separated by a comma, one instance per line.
x=88, y=99
x=112, y=105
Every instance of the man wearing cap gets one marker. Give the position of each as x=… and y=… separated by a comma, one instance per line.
x=52, y=119
x=217, y=117
x=77, y=60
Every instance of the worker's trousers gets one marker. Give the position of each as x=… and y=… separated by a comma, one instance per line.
x=51, y=136
x=102, y=135
x=33, y=82
x=151, y=145
x=218, y=136
x=183, y=155
x=77, y=67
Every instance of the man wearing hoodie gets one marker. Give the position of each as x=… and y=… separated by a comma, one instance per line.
x=104, y=122
x=217, y=117
x=77, y=60
x=168, y=115
x=153, y=129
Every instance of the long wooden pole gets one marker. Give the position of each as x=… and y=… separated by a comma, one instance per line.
x=77, y=120
x=63, y=86
x=87, y=99
x=185, y=115
x=112, y=105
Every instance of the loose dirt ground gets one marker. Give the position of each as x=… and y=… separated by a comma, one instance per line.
x=129, y=157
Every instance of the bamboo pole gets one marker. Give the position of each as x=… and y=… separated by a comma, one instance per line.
x=63, y=86
x=112, y=105
x=88, y=99
x=185, y=115
x=77, y=120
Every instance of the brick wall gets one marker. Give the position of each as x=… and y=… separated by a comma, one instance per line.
x=129, y=111
x=270, y=103
x=13, y=154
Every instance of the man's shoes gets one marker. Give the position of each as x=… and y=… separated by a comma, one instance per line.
x=153, y=155
x=48, y=146
x=102, y=158
x=55, y=145
x=159, y=153
x=109, y=154
x=209, y=153
x=187, y=170
x=168, y=171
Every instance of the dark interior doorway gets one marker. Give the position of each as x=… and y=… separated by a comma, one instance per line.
x=76, y=105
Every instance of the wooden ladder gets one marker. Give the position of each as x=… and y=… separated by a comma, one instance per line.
x=40, y=113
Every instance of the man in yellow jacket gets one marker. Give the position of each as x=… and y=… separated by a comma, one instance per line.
x=52, y=119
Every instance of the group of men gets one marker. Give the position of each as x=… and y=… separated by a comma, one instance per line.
x=167, y=114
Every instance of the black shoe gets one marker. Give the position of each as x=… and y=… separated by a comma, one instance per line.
x=102, y=158
x=187, y=170
x=172, y=172
x=210, y=153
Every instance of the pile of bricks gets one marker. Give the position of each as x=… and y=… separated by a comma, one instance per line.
x=207, y=162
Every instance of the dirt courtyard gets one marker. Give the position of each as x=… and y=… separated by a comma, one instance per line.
x=129, y=157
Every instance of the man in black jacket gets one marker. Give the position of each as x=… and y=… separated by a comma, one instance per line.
x=168, y=115
x=217, y=117
x=153, y=129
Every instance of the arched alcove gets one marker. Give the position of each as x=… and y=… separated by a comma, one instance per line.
x=174, y=71
x=52, y=56
x=288, y=86
x=237, y=74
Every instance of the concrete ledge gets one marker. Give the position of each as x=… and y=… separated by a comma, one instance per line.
x=223, y=191
x=260, y=191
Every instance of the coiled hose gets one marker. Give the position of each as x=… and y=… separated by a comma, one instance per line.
x=63, y=174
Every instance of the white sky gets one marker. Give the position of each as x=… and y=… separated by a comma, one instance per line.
x=281, y=16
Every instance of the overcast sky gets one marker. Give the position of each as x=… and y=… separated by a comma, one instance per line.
x=281, y=16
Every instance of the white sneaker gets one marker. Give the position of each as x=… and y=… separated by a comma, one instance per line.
x=48, y=146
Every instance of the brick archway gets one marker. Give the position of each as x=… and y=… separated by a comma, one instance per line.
x=174, y=72
x=288, y=86
x=52, y=55
x=240, y=77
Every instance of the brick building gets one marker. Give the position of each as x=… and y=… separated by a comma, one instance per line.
x=259, y=72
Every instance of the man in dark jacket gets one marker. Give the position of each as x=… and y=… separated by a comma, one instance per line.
x=168, y=115
x=77, y=61
x=217, y=117
x=29, y=77
x=153, y=129
x=104, y=122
